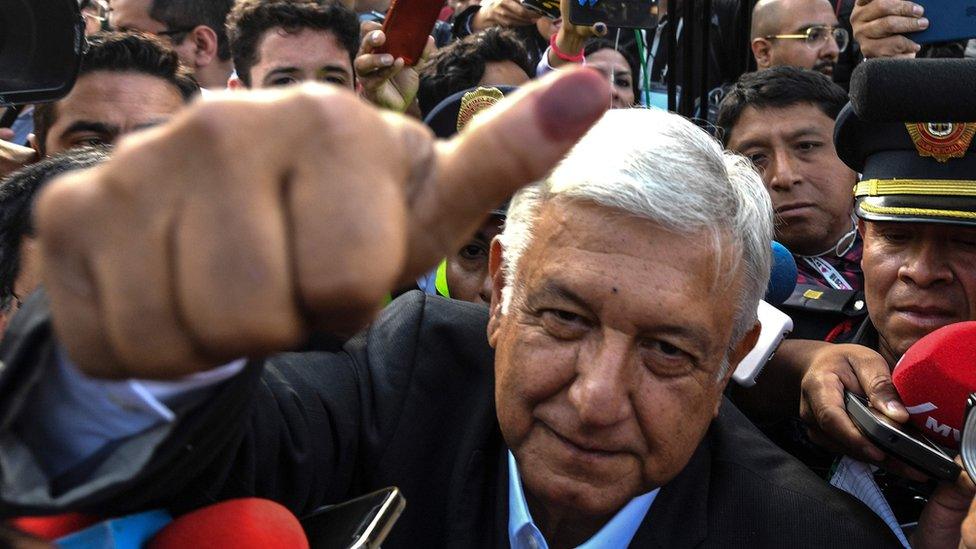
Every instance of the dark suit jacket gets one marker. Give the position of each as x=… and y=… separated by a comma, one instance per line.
x=409, y=403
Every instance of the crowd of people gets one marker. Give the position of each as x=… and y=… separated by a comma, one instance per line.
x=250, y=254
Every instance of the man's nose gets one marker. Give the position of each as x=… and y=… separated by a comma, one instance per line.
x=485, y=291
x=830, y=50
x=782, y=173
x=601, y=391
x=926, y=265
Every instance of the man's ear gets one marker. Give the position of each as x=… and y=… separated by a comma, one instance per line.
x=861, y=227
x=736, y=355
x=204, y=45
x=495, y=258
x=762, y=50
x=235, y=83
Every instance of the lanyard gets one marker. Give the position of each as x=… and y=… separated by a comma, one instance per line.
x=830, y=274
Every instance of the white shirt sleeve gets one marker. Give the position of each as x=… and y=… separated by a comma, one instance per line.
x=70, y=416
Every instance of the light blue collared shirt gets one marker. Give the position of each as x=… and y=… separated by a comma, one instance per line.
x=523, y=533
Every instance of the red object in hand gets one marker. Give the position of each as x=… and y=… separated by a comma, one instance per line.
x=407, y=25
x=53, y=527
x=246, y=523
x=934, y=378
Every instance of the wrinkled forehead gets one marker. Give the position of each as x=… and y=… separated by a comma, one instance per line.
x=584, y=238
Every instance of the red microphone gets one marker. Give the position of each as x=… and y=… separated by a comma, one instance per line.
x=246, y=523
x=934, y=378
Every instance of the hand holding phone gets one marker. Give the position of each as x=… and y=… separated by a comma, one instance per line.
x=901, y=440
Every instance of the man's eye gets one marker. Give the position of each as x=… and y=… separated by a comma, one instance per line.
x=473, y=252
x=808, y=145
x=563, y=324
x=967, y=242
x=337, y=80
x=896, y=237
x=283, y=81
x=90, y=141
x=665, y=358
x=758, y=160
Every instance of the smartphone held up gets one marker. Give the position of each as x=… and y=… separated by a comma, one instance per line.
x=628, y=14
x=407, y=25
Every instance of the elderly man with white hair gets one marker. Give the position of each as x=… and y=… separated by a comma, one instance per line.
x=625, y=291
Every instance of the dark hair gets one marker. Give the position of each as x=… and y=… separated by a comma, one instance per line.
x=461, y=65
x=123, y=52
x=17, y=192
x=778, y=87
x=594, y=45
x=188, y=14
x=249, y=20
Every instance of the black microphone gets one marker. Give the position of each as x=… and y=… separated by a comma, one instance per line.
x=915, y=90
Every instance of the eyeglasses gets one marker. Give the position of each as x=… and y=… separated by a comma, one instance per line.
x=815, y=36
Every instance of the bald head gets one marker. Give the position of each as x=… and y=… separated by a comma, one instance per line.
x=771, y=17
x=779, y=31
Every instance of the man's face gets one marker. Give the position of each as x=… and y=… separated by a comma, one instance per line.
x=133, y=15
x=811, y=189
x=917, y=277
x=104, y=105
x=467, y=270
x=607, y=363
x=289, y=57
x=797, y=16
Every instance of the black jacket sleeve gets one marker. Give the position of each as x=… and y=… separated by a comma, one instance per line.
x=304, y=429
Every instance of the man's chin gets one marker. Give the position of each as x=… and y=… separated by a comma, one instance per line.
x=581, y=497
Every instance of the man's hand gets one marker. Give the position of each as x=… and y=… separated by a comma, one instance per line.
x=879, y=24
x=502, y=13
x=12, y=156
x=387, y=82
x=939, y=525
x=570, y=38
x=198, y=242
x=860, y=370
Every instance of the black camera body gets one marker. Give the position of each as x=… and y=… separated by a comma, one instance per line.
x=41, y=47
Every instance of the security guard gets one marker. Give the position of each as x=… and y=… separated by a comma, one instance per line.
x=916, y=206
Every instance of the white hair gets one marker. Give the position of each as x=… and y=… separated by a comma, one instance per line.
x=661, y=167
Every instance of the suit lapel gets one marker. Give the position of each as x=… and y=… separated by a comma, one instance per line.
x=678, y=518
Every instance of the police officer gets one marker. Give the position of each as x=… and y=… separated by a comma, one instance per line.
x=916, y=210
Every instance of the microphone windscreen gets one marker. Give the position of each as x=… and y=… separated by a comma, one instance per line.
x=247, y=523
x=934, y=378
x=782, y=277
x=915, y=90
x=55, y=526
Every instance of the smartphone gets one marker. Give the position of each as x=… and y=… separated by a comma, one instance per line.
x=901, y=441
x=949, y=21
x=407, y=25
x=363, y=522
x=548, y=8
x=776, y=325
x=628, y=14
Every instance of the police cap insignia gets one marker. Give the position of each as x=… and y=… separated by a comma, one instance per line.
x=941, y=140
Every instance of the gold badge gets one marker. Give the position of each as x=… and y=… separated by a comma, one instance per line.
x=941, y=140
x=476, y=101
